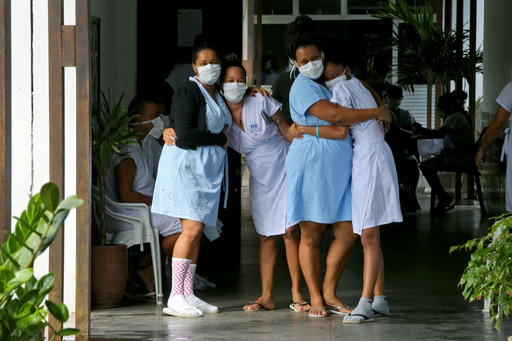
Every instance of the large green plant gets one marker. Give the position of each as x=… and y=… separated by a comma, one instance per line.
x=110, y=130
x=489, y=271
x=22, y=313
x=424, y=53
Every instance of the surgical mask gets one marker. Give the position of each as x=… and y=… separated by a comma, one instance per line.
x=312, y=70
x=441, y=114
x=234, y=92
x=165, y=119
x=158, y=127
x=394, y=103
x=330, y=84
x=208, y=74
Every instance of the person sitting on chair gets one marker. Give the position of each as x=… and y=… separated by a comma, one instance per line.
x=457, y=152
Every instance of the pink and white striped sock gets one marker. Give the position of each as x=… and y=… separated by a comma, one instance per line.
x=188, y=285
x=180, y=268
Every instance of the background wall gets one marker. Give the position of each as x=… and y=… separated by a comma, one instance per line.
x=118, y=46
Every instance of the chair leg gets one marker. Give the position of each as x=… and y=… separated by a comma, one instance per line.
x=458, y=185
x=157, y=266
x=480, y=195
x=432, y=201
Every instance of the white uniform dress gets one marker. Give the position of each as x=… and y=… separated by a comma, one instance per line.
x=143, y=183
x=375, y=199
x=265, y=151
x=505, y=100
x=189, y=181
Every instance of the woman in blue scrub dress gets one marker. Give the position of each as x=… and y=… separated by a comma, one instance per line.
x=318, y=170
x=190, y=174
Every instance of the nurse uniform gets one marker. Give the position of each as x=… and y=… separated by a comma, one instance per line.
x=189, y=181
x=505, y=100
x=265, y=151
x=375, y=199
x=318, y=170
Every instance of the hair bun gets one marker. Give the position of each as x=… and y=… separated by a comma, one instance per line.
x=302, y=23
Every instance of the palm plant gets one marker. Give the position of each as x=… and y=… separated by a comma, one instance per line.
x=110, y=130
x=424, y=53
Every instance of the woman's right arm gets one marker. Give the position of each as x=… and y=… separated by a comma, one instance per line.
x=125, y=175
x=339, y=115
x=332, y=132
x=491, y=134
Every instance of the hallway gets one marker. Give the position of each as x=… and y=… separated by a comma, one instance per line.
x=421, y=276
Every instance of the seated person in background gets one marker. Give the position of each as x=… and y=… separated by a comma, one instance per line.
x=132, y=180
x=457, y=152
x=404, y=149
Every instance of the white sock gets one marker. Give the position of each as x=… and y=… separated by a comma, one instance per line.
x=380, y=305
x=189, y=292
x=364, y=307
x=180, y=268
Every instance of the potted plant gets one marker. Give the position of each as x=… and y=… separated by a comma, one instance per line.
x=424, y=53
x=23, y=316
x=110, y=130
x=489, y=271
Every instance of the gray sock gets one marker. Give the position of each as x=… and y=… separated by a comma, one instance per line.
x=364, y=307
x=380, y=305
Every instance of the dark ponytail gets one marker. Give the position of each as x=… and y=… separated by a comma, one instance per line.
x=302, y=32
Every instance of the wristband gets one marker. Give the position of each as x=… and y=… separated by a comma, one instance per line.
x=317, y=134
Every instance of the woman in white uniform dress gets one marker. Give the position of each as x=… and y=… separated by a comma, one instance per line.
x=500, y=120
x=259, y=132
x=190, y=174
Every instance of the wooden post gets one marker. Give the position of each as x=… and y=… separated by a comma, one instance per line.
x=459, y=31
x=83, y=170
x=259, y=43
x=5, y=119
x=56, y=131
x=248, y=63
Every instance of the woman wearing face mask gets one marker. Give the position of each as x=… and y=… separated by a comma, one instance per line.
x=132, y=180
x=375, y=199
x=190, y=174
x=318, y=170
x=259, y=132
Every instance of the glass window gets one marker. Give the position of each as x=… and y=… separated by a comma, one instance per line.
x=275, y=7
x=320, y=7
x=362, y=6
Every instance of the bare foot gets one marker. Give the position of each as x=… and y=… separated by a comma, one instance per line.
x=298, y=302
x=334, y=302
x=260, y=304
x=317, y=308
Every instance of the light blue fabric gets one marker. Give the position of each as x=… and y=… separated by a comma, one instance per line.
x=189, y=181
x=317, y=170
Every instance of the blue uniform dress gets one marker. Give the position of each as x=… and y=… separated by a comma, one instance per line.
x=189, y=181
x=318, y=170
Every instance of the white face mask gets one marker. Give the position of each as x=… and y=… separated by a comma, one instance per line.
x=208, y=74
x=234, y=92
x=330, y=84
x=158, y=127
x=313, y=69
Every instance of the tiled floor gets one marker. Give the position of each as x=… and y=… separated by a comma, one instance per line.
x=421, y=277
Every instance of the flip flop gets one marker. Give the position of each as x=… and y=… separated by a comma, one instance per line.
x=364, y=320
x=317, y=316
x=261, y=307
x=292, y=306
x=149, y=297
x=188, y=312
x=336, y=310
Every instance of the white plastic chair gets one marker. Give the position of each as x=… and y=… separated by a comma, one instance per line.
x=142, y=233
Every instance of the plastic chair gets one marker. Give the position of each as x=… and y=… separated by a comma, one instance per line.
x=142, y=233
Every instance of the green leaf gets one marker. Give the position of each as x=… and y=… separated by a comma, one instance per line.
x=68, y=331
x=20, y=277
x=6, y=275
x=70, y=203
x=50, y=196
x=45, y=282
x=59, y=311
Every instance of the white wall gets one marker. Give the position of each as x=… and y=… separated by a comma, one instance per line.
x=118, y=50
x=497, y=50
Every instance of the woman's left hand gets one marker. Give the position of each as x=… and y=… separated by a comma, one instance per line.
x=295, y=131
x=169, y=136
x=253, y=90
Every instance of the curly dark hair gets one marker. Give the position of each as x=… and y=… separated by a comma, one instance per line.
x=302, y=32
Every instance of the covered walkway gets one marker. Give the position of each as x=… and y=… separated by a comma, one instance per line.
x=422, y=278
